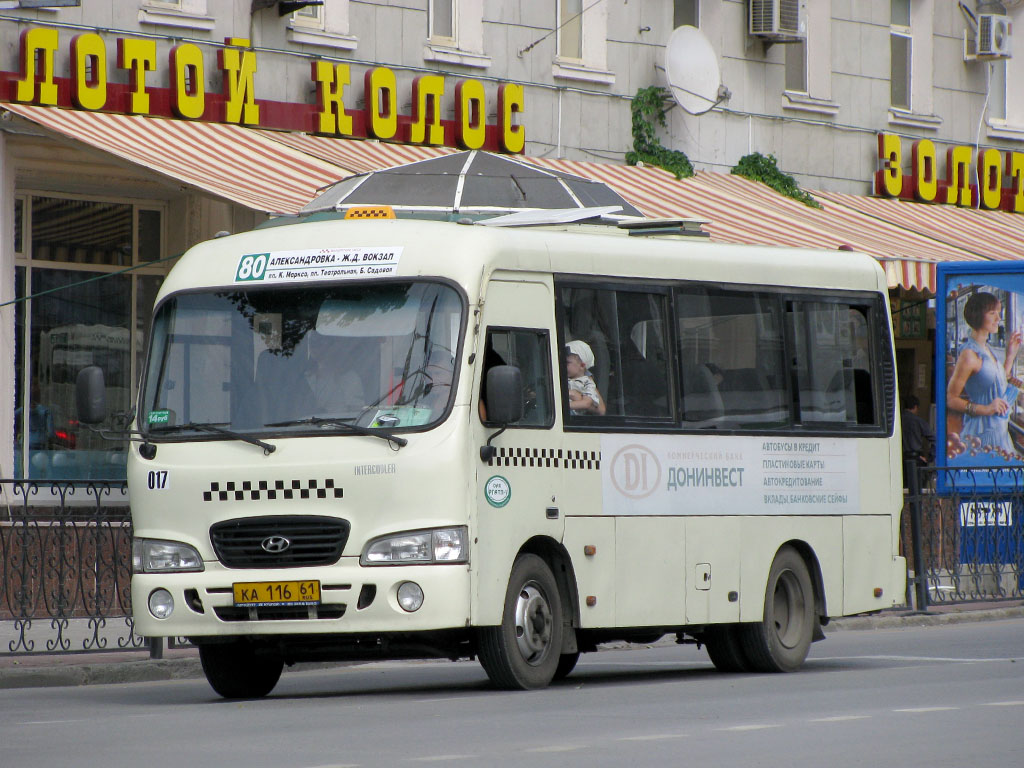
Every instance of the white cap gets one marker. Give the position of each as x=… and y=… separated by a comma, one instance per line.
x=582, y=350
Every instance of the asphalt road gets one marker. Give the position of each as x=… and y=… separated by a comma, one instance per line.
x=949, y=695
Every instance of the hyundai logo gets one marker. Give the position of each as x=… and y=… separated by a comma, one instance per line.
x=275, y=544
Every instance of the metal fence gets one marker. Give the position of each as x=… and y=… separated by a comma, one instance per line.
x=65, y=554
x=966, y=530
x=65, y=567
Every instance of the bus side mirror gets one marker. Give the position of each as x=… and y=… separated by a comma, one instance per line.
x=91, y=395
x=504, y=394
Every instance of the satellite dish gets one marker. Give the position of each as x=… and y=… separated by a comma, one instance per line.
x=692, y=70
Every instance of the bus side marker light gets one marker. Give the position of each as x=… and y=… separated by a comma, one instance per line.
x=878, y=591
x=589, y=550
x=591, y=601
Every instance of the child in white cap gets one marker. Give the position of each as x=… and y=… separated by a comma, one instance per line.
x=583, y=395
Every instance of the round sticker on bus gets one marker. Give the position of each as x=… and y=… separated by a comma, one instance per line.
x=498, y=491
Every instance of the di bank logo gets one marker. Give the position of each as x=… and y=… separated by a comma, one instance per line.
x=636, y=471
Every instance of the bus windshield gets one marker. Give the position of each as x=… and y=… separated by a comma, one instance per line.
x=302, y=359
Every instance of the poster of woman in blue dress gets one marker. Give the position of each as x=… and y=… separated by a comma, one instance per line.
x=984, y=320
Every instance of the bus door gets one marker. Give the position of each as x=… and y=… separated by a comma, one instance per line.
x=519, y=489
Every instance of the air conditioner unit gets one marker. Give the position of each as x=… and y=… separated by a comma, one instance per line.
x=777, y=19
x=993, y=36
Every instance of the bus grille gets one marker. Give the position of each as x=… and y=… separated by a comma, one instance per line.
x=279, y=542
x=280, y=613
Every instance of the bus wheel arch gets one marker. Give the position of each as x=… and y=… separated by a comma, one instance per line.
x=558, y=560
x=817, y=584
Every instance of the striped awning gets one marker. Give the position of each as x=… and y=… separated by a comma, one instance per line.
x=279, y=172
x=225, y=160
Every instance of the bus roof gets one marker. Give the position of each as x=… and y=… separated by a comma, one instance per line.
x=464, y=252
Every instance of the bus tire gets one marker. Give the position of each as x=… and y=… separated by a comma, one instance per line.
x=523, y=652
x=725, y=647
x=780, y=641
x=236, y=671
x=566, y=664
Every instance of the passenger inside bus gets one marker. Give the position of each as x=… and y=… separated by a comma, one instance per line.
x=584, y=397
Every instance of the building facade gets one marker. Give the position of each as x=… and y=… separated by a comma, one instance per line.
x=127, y=128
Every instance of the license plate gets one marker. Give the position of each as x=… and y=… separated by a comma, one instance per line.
x=257, y=594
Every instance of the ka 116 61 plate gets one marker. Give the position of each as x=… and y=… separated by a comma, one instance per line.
x=257, y=594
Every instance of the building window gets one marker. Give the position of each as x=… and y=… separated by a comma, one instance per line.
x=796, y=67
x=186, y=14
x=900, y=49
x=570, y=29
x=582, y=41
x=71, y=320
x=685, y=13
x=324, y=26
x=455, y=33
x=311, y=16
x=441, y=17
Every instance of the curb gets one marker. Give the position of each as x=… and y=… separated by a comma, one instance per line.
x=143, y=670
x=101, y=673
x=913, y=619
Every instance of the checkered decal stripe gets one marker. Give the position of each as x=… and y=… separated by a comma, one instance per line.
x=546, y=457
x=273, y=489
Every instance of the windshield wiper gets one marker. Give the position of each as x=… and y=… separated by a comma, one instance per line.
x=217, y=429
x=344, y=423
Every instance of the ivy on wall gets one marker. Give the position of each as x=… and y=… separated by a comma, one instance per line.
x=757, y=167
x=648, y=109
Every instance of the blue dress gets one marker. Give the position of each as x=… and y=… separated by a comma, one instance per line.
x=982, y=388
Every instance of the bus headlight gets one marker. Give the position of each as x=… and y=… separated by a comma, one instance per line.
x=153, y=556
x=440, y=545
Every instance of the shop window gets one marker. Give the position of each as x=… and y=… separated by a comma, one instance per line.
x=685, y=13
x=19, y=223
x=581, y=41
x=80, y=308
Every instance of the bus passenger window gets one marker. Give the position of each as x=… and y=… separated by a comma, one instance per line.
x=731, y=359
x=833, y=363
x=529, y=351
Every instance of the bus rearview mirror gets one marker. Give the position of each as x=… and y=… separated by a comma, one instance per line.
x=91, y=395
x=504, y=394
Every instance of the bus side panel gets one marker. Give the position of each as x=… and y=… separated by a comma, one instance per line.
x=649, y=571
x=868, y=555
x=763, y=536
x=712, y=569
x=595, y=574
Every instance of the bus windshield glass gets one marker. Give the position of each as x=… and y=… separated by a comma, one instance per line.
x=301, y=359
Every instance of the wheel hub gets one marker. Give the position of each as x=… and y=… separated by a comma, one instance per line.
x=533, y=624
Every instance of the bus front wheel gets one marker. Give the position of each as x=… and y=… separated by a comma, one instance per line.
x=523, y=652
x=779, y=643
x=236, y=671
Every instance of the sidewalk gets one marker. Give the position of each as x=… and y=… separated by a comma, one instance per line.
x=53, y=670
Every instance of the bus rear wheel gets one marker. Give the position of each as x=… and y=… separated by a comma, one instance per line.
x=237, y=671
x=779, y=643
x=724, y=646
x=524, y=651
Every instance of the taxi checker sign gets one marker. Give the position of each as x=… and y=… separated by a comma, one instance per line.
x=317, y=264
